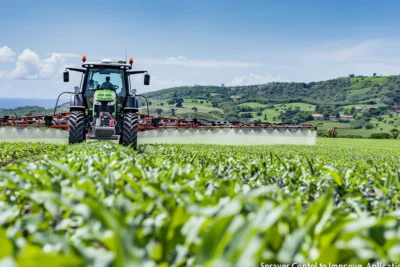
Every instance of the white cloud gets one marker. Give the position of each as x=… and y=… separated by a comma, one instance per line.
x=66, y=55
x=30, y=66
x=202, y=63
x=157, y=83
x=178, y=58
x=350, y=53
x=252, y=79
x=369, y=51
x=6, y=54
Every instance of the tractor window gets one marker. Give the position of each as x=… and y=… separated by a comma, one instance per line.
x=109, y=79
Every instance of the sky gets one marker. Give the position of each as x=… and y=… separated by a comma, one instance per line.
x=196, y=42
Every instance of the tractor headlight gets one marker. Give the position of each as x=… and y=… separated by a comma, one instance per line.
x=97, y=102
x=111, y=103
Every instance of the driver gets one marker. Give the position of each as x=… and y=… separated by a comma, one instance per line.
x=107, y=84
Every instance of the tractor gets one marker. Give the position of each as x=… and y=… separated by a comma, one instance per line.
x=105, y=106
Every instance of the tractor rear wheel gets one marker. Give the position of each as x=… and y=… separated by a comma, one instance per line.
x=76, y=127
x=130, y=129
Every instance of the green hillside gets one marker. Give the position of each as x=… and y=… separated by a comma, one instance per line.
x=32, y=110
x=340, y=91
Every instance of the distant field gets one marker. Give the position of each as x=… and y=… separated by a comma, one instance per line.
x=253, y=105
x=376, y=79
x=302, y=106
x=364, y=105
x=345, y=128
x=187, y=107
x=275, y=112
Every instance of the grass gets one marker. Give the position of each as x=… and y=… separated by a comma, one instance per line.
x=302, y=106
x=374, y=80
x=345, y=128
x=253, y=105
x=364, y=105
x=358, y=143
x=275, y=112
x=187, y=108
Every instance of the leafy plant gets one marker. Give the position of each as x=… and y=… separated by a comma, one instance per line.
x=201, y=205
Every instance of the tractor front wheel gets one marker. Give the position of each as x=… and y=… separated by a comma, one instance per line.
x=76, y=127
x=130, y=129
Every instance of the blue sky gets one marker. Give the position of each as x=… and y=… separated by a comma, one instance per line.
x=196, y=42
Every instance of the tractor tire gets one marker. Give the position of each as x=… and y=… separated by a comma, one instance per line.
x=130, y=130
x=76, y=127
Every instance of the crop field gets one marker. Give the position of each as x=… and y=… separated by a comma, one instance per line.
x=100, y=204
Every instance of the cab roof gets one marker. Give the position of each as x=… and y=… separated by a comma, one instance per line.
x=115, y=65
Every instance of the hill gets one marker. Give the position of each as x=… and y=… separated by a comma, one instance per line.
x=340, y=91
x=32, y=110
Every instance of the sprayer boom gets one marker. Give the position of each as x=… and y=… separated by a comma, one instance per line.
x=160, y=129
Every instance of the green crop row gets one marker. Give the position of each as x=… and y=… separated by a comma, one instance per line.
x=11, y=151
x=100, y=204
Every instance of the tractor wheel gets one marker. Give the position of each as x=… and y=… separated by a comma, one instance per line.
x=130, y=129
x=76, y=127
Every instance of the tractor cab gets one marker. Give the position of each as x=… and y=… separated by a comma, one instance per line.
x=105, y=105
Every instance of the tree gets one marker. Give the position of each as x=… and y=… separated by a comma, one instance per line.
x=179, y=103
x=161, y=104
x=395, y=133
x=332, y=133
x=159, y=111
x=246, y=115
x=194, y=109
x=173, y=111
x=369, y=126
x=352, y=75
x=374, y=74
x=265, y=117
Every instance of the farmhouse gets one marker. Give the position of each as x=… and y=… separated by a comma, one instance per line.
x=394, y=112
x=317, y=116
x=333, y=118
x=346, y=117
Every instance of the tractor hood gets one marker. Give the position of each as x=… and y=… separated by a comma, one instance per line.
x=104, y=95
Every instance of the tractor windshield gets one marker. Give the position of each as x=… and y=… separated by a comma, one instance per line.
x=104, y=79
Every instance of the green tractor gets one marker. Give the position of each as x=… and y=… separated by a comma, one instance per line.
x=105, y=107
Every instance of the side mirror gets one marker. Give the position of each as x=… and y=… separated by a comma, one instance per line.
x=146, y=79
x=66, y=76
x=77, y=89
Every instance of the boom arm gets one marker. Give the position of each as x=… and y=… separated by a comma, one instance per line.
x=77, y=69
